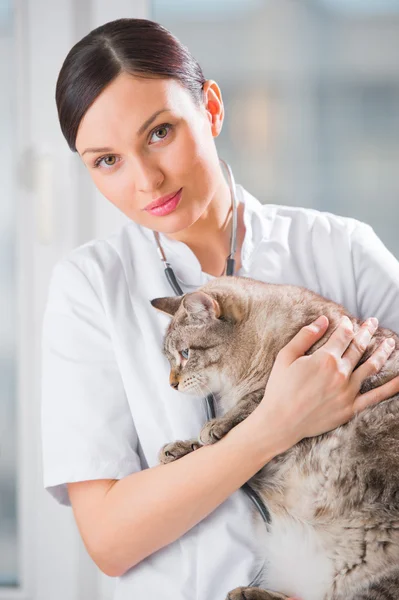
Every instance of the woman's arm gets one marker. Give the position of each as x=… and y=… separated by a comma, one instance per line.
x=125, y=521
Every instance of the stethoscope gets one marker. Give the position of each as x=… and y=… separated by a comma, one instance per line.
x=230, y=267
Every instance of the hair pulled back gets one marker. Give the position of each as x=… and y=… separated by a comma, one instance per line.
x=140, y=47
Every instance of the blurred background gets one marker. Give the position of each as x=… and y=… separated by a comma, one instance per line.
x=311, y=92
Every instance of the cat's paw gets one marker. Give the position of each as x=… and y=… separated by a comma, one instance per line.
x=253, y=593
x=213, y=431
x=174, y=450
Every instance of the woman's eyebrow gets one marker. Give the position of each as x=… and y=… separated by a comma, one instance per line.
x=151, y=119
x=141, y=130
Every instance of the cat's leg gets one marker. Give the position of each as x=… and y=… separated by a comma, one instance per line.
x=386, y=588
x=215, y=429
x=254, y=593
x=212, y=431
x=174, y=450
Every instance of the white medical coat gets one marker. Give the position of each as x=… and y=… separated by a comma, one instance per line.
x=107, y=407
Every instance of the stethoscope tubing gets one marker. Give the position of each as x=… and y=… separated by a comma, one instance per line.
x=230, y=268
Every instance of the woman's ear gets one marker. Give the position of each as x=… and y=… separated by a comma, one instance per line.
x=214, y=106
x=168, y=305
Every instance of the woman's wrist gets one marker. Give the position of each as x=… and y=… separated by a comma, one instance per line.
x=271, y=428
x=264, y=437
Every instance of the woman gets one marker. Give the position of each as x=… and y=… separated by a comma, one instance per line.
x=135, y=105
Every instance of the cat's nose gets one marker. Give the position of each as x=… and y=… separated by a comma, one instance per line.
x=174, y=380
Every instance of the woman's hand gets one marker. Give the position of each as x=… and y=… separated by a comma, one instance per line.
x=310, y=395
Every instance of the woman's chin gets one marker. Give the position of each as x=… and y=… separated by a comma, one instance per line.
x=174, y=223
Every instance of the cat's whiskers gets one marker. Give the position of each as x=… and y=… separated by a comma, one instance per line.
x=198, y=390
x=189, y=384
x=201, y=385
x=198, y=386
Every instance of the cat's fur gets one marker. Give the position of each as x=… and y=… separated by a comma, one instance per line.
x=334, y=498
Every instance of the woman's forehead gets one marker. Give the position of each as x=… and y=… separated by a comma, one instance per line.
x=126, y=104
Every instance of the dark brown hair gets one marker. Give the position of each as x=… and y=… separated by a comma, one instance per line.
x=137, y=46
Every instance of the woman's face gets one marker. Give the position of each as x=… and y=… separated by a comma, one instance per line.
x=136, y=156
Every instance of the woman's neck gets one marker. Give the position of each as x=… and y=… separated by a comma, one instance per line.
x=209, y=237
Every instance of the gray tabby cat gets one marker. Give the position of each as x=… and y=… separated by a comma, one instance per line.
x=334, y=498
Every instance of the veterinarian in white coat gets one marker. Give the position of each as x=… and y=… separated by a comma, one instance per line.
x=107, y=405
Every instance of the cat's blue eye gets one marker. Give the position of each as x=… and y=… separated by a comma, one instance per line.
x=184, y=353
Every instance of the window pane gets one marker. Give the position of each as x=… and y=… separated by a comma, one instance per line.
x=8, y=294
x=311, y=91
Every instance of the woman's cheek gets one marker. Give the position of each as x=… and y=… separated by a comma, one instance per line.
x=177, y=159
x=116, y=187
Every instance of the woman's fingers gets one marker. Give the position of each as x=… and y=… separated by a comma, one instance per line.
x=375, y=395
x=359, y=344
x=340, y=339
x=373, y=364
x=302, y=341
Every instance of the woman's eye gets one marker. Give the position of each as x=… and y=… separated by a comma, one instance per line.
x=161, y=132
x=108, y=161
x=111, y=160
x=184, y=353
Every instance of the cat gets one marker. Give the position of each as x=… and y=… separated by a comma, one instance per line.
x=333, y=498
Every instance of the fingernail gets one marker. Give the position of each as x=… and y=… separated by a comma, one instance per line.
x=373, y=321
x=390, y=342
x=317, y=325
x=346, y=321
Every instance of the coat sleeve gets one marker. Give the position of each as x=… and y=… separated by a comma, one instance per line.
x=87, y=426
x=376, y=272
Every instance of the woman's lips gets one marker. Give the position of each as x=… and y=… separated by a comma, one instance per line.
x=166, y=207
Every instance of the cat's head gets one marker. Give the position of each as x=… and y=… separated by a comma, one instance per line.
x=211, y=341
x=225, y=337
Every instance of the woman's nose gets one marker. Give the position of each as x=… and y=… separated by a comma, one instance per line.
x=147, y=175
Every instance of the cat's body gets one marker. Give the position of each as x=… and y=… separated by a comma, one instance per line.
x=333, y=499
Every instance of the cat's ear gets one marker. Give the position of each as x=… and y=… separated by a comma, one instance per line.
x=168, y=305
x=201, y=306
x=232, y=309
